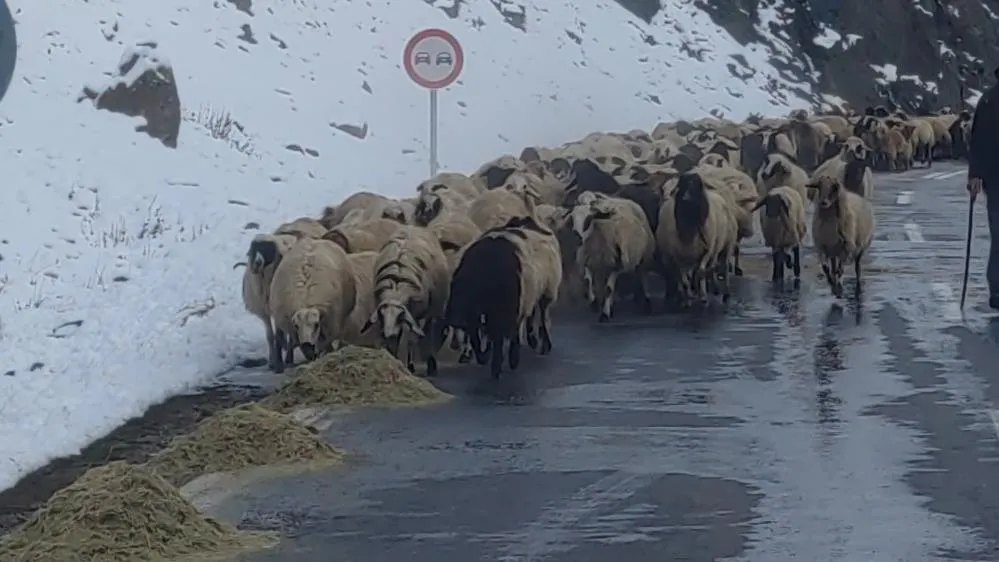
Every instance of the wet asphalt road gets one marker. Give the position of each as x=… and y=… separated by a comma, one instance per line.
x=783, y=428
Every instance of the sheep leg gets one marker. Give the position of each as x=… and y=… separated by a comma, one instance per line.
x=456, y=339
x=608, y=305
x=736, y=254
x=796, y=252
x=289, y=354
x=269, y=333
x=277, y=364
x=856, y=271
x=642, y=292
x=529, y=333
x=591, y=296
x=496, y=366
x=513, y=353
x=777, y=259
x=430, y=343
x=725, y=281
x=836, y=281
x=544, y=308
x=479, y=347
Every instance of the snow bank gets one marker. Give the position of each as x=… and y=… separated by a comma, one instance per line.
x=116, y=285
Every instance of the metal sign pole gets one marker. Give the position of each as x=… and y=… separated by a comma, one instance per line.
x=433, y=132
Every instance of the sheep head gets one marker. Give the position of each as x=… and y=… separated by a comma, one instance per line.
x=262, y=253
x=428, y=207
x=825, y=190
x=392, y=318
x=308, y=330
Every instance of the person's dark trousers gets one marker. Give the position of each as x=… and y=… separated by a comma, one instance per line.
x=992, y=270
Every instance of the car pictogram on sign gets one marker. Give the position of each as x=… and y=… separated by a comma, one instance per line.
x=422, y=58
x=444, y=58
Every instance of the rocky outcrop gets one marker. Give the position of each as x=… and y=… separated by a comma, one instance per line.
x=916, y=54
x=144, y=86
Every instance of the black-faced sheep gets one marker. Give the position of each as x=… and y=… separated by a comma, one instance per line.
x=411, y=290
x=842, y=230
x=263, y=257
x=311, y=298
x=782, y=222
x=850, y=168
x=617, y=240
x=698, y=232
x=507, y=279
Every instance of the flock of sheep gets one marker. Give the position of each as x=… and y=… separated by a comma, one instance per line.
x=480, y=259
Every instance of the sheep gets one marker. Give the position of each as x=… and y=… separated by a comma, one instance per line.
x=362, y=265
x=922, y=141
x=698, y=233
x=617, y=239
x=365, y=200
x=263, y=257
x=508, y=278
x=454, y=183
x=849, y=168
x=311, y=297
x=779, y=170
x=842, y=229
x=497, y=206
x=411, y=290
x=304, y=227
x=368, y=236
x=740, y=190
x=896, y=150
x=783, y=226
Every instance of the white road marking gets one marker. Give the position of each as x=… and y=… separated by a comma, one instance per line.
x=904, y=198
x=994, y=414
x=932, y=175
x=948, y=302
x=949, y=175
x=913, y=232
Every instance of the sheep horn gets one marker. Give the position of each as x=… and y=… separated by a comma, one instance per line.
x=239, y=263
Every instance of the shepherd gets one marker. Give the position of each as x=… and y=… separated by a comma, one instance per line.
x=983, y=176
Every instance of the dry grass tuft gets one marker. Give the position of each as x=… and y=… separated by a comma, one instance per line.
x=245, y=436
x=353, y=375
x=123, y=513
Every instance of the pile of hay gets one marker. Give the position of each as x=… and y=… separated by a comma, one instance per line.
x=123, y=513
x=353, y=376
x=241, y=437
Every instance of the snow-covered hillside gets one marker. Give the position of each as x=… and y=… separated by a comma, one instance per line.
x=116, y=280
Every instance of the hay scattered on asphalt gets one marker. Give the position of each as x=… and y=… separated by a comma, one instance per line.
x=245, y=436
x=123, y=513
x=353, y=376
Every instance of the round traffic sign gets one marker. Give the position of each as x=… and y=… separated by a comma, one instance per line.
x=433, y=58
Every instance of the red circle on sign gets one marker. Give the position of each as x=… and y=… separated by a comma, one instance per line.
x=409, y=55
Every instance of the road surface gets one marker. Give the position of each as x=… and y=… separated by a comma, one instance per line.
x=782, y=429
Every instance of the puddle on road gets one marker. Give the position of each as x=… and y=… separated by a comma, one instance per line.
x=594, y=514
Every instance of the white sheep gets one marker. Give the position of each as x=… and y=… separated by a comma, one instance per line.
x=849, y=168
x=783, y=225
x=507, y=281
x=311, y=298
x=412, y=281
x=302, y=227
x=496, y=207
x=362, y=203
x=779, y=170
x=367, y=236
x=842, y=230
x=362, y=265
x=698, y=233
x=617, y=240
x=263, y=257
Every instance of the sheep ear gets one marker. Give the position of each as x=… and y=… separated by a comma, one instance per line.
x=413, y=325
x=370, y=322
